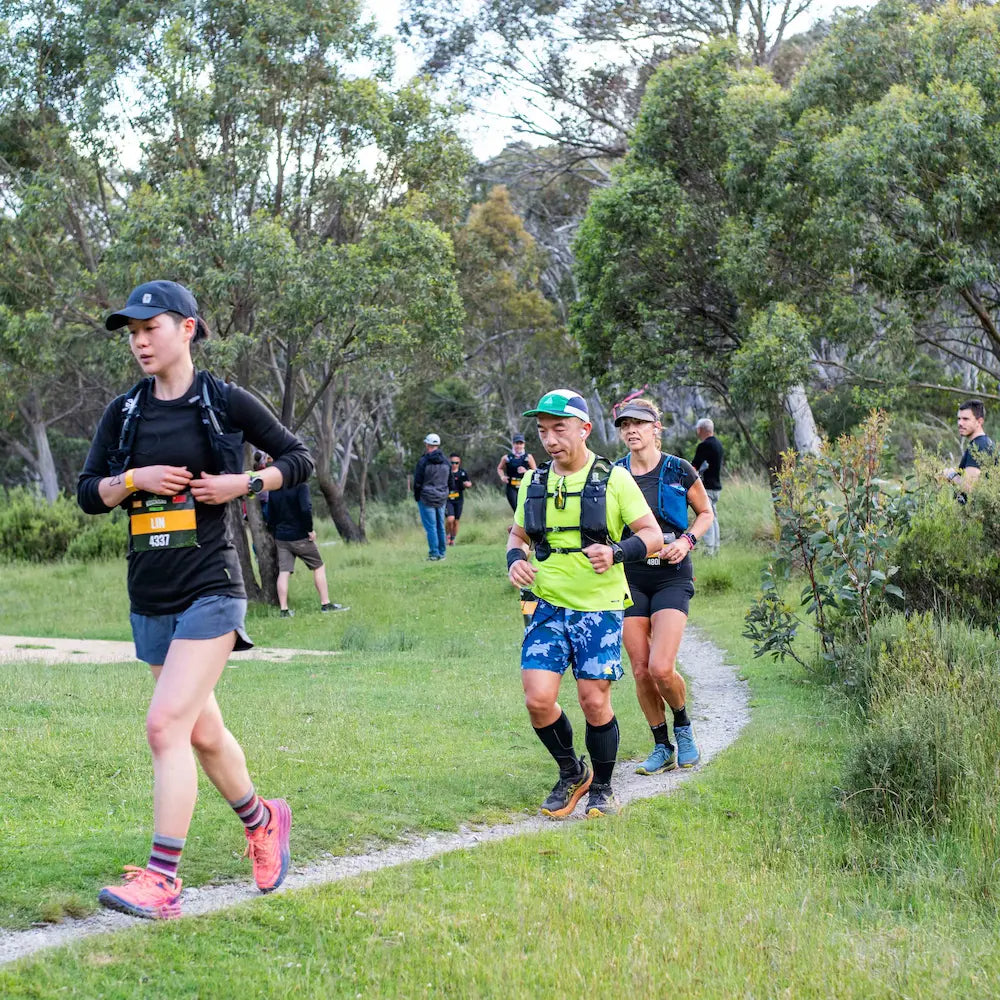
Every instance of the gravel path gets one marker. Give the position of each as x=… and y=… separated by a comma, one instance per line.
x=720, y=710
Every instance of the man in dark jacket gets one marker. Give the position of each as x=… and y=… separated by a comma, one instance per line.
x=289, y=519
x=708, y=464
x=431, y=485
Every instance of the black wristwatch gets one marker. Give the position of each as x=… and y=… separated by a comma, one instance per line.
x=617, y=553
x=256, y=486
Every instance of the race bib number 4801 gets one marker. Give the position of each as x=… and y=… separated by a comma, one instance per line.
x=163, y=523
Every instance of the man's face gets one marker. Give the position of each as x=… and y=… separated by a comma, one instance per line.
x=456, y=463
x=969, y=425
x=562, y=437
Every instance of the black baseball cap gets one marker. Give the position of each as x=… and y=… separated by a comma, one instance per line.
x=153, y=298
x=635, y=411
x=517, y=439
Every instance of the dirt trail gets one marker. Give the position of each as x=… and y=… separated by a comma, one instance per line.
x=720, y=709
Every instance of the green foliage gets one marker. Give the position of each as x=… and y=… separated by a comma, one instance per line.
x=949, y=557
x=839, y=524
x=902, y=767
x=32, y=530
x=927, y=690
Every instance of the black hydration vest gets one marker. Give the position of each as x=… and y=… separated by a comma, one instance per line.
x=593, y=509
x=213, y=402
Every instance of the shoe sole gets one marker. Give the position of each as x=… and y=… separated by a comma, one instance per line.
x=690, y=764
x=110, y=901
x=281, y=809
x=571, y=805
x=595, y=813
x=671, y=766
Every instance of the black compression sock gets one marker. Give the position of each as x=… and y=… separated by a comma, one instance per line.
x=558, y=740
x=602, y=743
x=661, y=734
x=681, y=716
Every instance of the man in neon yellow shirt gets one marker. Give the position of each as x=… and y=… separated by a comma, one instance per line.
x=573, y=510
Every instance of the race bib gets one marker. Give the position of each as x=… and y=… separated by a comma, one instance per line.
x=163, y=523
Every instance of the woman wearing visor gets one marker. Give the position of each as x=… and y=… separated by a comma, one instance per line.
x=170, y=452
x=662, y=586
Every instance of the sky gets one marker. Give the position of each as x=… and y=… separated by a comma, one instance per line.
x=487, y=130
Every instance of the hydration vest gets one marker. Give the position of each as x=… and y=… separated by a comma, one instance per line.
x=213, y=403
x=593, y=525
x=671, y=497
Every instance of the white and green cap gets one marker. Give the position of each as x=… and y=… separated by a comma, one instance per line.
x=561, y=403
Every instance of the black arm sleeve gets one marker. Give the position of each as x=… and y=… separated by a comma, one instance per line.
x=265, y=432
x=96, y=467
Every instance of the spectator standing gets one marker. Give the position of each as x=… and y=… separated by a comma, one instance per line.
x=289, y=518
x=708, y=464
x=431, y=485
x=979, y=450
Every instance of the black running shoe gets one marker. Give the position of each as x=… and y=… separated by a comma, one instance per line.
x=602, y=802
x=568, y=791
x=287, y=613
x=334, y=607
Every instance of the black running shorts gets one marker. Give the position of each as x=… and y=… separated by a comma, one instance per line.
x=657, y=588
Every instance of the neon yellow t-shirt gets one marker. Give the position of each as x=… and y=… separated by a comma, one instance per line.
x=567, y=579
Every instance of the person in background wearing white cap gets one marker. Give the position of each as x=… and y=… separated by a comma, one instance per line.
x=170, y=452
x=431, y=485
x=573, y=510
x=512, y=467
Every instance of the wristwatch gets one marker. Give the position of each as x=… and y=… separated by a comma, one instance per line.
x=255, y=486
x=617, y=553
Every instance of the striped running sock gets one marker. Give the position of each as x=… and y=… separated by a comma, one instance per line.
x=251, y=810
x=165, y=855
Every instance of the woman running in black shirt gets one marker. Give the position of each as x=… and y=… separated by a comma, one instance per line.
x=170, y=453
x=661, y=587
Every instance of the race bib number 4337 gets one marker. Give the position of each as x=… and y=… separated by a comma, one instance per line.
x=163, y=523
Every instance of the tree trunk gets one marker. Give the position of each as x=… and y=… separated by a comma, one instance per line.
x=41, y=458
x=777, y=442
x=334, y=496
x=807, y=439
x=237, y=532
x=266, y=552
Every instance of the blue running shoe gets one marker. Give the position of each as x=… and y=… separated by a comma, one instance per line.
x=687, y=752
x=663, y=758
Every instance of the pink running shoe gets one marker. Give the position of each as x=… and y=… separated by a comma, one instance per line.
x=145, y=894
x=267, y=846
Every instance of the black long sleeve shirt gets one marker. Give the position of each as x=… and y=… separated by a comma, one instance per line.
x=171, y=432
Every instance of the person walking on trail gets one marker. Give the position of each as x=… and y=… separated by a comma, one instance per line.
x=170, y=453
x=431, y=485
x=707, y=462
x=573, y=510
x=460, y=482
x=980, y=451
x=513, y=466
x=290, y=520
x=661, y=586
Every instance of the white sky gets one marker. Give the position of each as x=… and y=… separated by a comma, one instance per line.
x=487, y=130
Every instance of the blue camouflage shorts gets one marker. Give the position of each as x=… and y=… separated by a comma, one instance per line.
x=589, y=641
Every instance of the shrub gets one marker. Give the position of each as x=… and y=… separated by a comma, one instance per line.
x=36, y=531
x=949, y=558
x=102, y=538
x=904, y=767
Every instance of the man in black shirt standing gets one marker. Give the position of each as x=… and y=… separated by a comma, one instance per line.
x=708, y=464
x=289, y=519
x=980, y=450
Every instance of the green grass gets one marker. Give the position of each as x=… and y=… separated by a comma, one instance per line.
x=748, y=882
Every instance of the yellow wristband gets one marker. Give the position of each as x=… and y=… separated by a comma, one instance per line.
x=129, y=481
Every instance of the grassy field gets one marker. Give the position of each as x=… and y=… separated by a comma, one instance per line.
x=747, y=883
